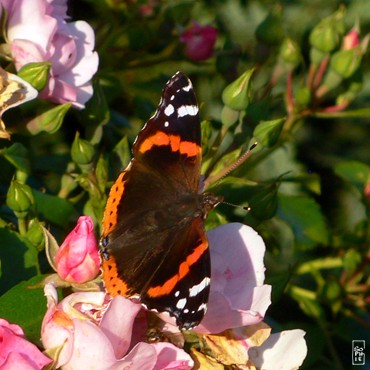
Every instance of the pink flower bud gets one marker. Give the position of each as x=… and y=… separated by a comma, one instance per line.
x=77, y=259
x=199, y=41
x=367, y=191
x=351, y=40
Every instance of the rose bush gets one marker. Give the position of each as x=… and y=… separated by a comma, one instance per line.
x=38, y=31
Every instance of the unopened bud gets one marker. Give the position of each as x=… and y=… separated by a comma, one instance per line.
x=19, y=198
x=82, y=151
x=327, y=34
x=290, y=52
x=237, y=95
x=36, y=74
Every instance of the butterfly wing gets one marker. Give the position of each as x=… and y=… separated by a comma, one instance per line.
x=154, y=242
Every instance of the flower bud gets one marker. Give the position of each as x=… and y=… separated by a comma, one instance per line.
x=327, y=34
x=199, y=41
x=290, y=53
x=351, y=40
x=35, y=234
x=229, y=116
x=19, y=198
x=237, y=95
x=77, y=259
x=36, y=74
x=49, y=121
x=346, y=62
x=367, y=192
x=82, y=151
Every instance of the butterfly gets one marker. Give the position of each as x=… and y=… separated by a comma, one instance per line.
x=154, y=245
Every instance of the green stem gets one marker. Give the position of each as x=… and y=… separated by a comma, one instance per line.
x=320, y=264
x=22, y=226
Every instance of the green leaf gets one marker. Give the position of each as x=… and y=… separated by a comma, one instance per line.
x=19, y=259
x=268, y=132
x=279, y=282
x=305, y=218
x=264, y=202
x=122, y=149
x=101, y=173
x=52, y=208
x=25, y=306
x=18, y=156
x=356, y=172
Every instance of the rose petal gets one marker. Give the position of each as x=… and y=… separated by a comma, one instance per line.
x=27, y=20
x=281, y=351
x=16, y=350
x=171, y=357
x=238, y=296
x=117, y=323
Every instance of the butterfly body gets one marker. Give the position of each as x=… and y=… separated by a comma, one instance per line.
x=154, y=246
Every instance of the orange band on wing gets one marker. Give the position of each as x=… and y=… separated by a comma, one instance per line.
x=113, y=283
x=160, y=138
x=110, y=212
x=184, y=268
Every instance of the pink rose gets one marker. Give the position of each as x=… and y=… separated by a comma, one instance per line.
x=37, y=31
x=77, y=259
x=199, y=41
x=89, y=333
x=238, y=296
x=16, y=352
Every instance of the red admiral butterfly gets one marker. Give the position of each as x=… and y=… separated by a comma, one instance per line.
x=154, y=246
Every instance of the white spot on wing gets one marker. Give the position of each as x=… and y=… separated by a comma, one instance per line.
x=185, y=110
x=203, y=307
x=169, y=110
x=177, y=293
x=194, y=290
x=181, y=303
x=166, y=124
x=188, y=87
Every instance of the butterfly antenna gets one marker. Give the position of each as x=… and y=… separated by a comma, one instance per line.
x=245, y=208
x=222, y=174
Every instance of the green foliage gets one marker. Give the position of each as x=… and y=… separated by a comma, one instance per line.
x=24, y=304
x=303, y=100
